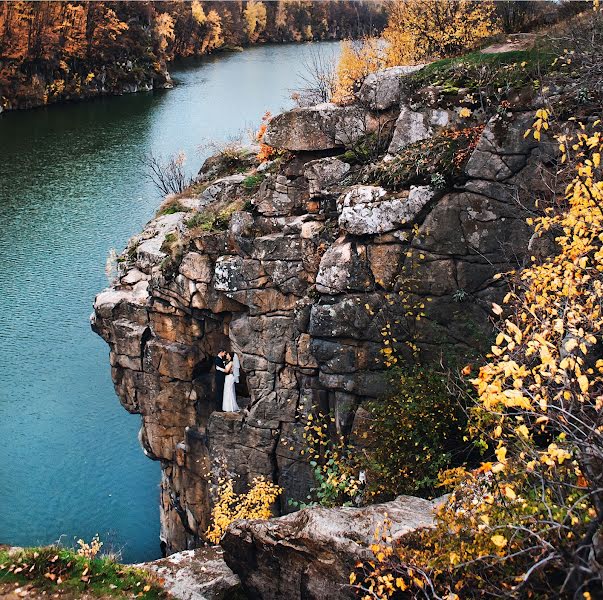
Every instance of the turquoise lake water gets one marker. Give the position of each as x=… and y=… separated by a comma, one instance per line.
x=72, y=188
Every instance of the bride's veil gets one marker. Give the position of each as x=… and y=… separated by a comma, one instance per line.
x=236, y=367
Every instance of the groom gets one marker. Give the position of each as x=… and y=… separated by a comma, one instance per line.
x=219, y=378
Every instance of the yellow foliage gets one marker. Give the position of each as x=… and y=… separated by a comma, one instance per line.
x=420, y=30
x=164, y=28
x=357, y=60
x=255, y=19
x=198, y=12
x=89, y=550
x=255, y=504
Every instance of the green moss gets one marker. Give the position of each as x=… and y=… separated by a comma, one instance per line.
x=437, y=161
x=205, y=221
x=252, y=182
x=214, y=219
x=171, y=207
x=437, y=72
x=43, y=567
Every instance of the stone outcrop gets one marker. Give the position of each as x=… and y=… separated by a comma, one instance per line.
x=321, y=127
x=299, y=279
x=198, y=574
x=309, y=555
x=381, y=90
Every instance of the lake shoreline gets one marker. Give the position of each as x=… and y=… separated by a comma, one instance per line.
x=125, y=80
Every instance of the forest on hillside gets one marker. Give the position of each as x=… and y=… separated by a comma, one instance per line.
x=53, y=51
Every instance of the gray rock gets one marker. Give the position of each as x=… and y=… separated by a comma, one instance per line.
x=321, y=127
x=344, y=267
x=323, y=174
x=413, y=126
x=381, y=90
x=368, y=210
x=314, y=550
x=198, y=574
x=502, y=149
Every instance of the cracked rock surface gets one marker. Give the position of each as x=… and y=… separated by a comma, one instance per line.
x=300, y=281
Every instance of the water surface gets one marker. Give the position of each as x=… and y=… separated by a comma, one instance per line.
x=71, y=188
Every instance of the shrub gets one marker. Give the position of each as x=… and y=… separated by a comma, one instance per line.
x=439, y=159
x=334, y=465
x=415, y=433
x=168, y=175
x=252, y=182
x=171, y=206
x=214, y=218
x=230, y=506
x=357, y=59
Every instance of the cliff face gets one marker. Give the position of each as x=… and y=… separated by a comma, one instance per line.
x=302, y=277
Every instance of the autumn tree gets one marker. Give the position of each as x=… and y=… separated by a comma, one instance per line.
x=255, y=19
x=420, y=30
x=356, y=61
x=164, y=29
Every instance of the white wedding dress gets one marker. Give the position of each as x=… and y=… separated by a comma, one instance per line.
x=229, y=400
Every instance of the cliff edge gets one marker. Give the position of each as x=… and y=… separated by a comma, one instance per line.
x=387, y=218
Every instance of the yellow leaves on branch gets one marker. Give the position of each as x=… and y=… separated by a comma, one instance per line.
x=540, y=122
x=255, y=504
x=539, y=358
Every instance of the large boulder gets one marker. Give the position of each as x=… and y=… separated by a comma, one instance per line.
x=344, y=267
x=310, y=554
x=381, y=90
x=412, y=126
x=323, y=174
x=198, y=574
x=367, y=209
x=503, y=148
x=321, y=127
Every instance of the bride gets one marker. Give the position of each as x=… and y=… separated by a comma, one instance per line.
x=229, y=399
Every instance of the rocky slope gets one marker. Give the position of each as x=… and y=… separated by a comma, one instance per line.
x=310, y=554
x=302, y=274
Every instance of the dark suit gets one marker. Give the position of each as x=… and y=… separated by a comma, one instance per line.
x=219, y=378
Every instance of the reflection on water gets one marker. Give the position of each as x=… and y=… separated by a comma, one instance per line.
x=71, y=188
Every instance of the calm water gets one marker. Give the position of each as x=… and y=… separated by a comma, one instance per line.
x=70, y=190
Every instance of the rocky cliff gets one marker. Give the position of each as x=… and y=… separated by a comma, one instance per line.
x=373, y=221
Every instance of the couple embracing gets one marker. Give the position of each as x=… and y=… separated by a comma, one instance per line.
x=227, y=375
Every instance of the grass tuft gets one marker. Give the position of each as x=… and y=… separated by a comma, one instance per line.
x=53, y=569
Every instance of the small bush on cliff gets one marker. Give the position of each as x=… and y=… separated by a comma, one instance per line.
x=171, y=206
x=418, y=431
x=168, y=175
x=54, y=571
x=334, y=465
x=214, y=218
x=444, y=155
x=407, y=439
x=253, y=182
x=230, y=506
